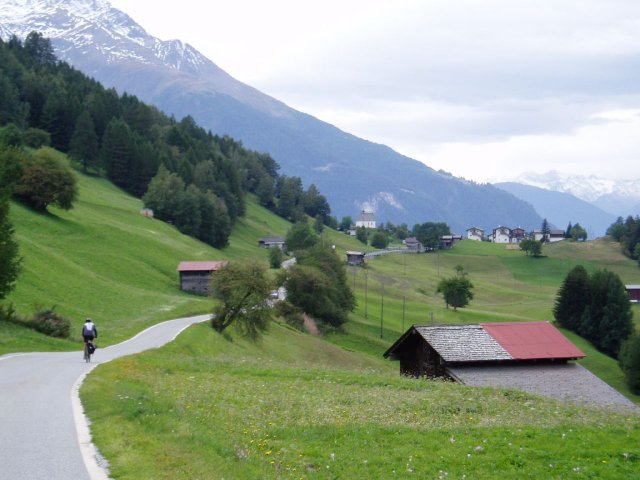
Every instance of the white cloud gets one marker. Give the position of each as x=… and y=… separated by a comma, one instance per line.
x=609, y=149
x=482, y=89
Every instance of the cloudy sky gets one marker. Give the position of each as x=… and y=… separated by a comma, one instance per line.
x=485, y=90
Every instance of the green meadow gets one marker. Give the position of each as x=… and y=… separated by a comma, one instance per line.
x=294, y=405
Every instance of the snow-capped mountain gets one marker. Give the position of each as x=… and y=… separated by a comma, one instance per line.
x=109, y=46
x=618, y=197
x=94, y=36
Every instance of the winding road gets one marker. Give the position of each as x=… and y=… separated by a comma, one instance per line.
x=43, y=430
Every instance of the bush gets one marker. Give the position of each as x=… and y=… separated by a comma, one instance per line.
x=291, y=314
x=50, y=323
x=8, y=314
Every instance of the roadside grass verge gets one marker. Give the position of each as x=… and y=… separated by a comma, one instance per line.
x=294, y=406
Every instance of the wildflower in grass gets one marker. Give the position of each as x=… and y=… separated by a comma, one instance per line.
x=452, y=440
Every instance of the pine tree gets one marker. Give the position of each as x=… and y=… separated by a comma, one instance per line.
x=607, y=320
x=83, y=146
x=572, y=298
x=629, y=360
x=9, y=254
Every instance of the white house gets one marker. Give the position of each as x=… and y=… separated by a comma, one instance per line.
x=501, y=235
x=475, y=233
x=554, y=236
x=366, y=220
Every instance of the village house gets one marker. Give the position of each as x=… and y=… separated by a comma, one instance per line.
x=553, y=236
x=268, y=242
x=366, y=220
x=475, y=233
x=355, y=258
x=530, y=356
x=518, y=234
x=413, y=244
x=195, y=277
x=501, y=235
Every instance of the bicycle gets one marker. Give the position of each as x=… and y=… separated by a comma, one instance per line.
x=89, y=348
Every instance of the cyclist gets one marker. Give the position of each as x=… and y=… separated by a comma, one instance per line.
x=89, y=332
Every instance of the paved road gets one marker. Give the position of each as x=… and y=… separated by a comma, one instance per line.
x=39, y=438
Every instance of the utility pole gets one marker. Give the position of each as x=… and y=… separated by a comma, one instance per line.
x=365, y=294
x=404, y=299
x=382, y=310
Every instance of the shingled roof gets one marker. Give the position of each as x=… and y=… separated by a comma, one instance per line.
x=493, y=342
x=463, y=343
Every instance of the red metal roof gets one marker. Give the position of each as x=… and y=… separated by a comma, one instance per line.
x=532, y=340
x=200, y=266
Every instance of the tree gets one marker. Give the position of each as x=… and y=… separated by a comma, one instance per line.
x=429, y=233
x=456, y=290
x=83, y=146
x=379, y=240
x=572, y=299
x=567, y=232
x=317, y=285
x=243, y=290
x=546, y=230
x=9, y=254
x=39, y=48
x=607, y=319
x=47, y=180
x=577, y=233
x=531, y=246
x=629, y=360
x=345, y=223
x=276, y=256
x=362, y=235
x=299, y=237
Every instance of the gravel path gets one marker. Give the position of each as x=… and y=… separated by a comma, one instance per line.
x=568, y=382
x=41, y=436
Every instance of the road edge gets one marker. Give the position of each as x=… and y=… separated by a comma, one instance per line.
x=88, y=450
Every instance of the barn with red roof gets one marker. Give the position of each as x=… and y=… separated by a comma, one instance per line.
x=531, y=356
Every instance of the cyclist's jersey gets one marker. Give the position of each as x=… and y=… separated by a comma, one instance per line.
x=89, y=330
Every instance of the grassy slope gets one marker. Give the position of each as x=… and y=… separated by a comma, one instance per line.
x=102, y=259
x=211, y=408
x=294, y=406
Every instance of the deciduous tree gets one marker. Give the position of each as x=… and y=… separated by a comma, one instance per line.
x=242, y=290
x=47, y=180
x=456, y=290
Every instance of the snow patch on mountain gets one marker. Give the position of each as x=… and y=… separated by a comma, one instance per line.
x=589, y=188
x=90, y=25
x=373, y=203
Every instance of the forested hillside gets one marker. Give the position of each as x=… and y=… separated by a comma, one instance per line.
x=201, y=178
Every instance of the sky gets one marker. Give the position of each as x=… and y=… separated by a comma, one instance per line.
x=485, y=90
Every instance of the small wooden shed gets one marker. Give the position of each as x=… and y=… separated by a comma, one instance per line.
x=413, y=244
x=355, y=258
x=196, y=276
x=634, y=293
x=268, y=242
x=433, y=350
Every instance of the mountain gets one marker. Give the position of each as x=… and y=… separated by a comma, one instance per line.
x=352, y=173
x=617, y=197
x=560, y=208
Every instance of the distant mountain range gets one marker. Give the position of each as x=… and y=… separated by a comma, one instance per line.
x=560, y=208
x=353, y=173
x=617, y=197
